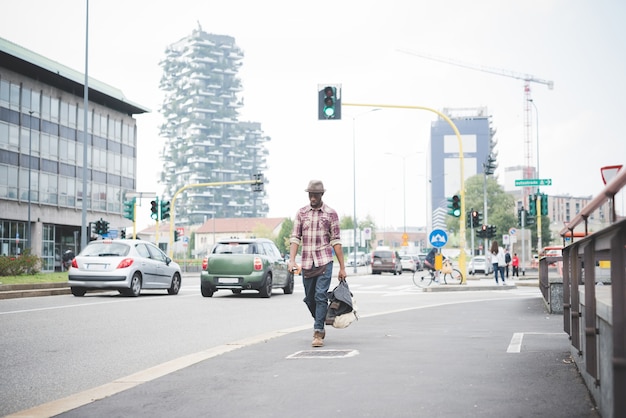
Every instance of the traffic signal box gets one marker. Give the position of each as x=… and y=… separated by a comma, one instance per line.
x=474, y=219
x=154, y=209
x=102, y=227
x=532, y=205
x=482, y=232
x=454, y=206
x=129, y=209
x=165, y=209
x=329, y=102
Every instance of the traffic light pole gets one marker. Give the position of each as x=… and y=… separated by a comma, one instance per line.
x=539, y=197
x=462, y=242
x=170, y=248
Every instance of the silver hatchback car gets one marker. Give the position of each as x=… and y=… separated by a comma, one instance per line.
x=127, y=266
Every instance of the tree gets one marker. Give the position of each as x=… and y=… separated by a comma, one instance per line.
x=500, y=206
x=282, y=241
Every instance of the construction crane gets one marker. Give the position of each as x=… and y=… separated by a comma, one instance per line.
x=527, y=78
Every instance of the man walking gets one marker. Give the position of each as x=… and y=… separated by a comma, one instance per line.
x=316, y=229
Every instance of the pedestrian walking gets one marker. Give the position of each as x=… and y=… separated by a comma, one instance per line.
x=515, y=264
x=316, y=230
x=507, y=260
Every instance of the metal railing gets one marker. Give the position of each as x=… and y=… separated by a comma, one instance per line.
x=581, y=261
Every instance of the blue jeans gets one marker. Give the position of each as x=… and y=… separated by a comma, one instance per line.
x=497, y=269
x=316, y=296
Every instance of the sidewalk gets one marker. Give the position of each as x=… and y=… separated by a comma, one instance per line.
x=482, y=358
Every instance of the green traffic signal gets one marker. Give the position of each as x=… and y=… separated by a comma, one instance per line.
x=129, y=209
x=329, y=106
x=454, y=206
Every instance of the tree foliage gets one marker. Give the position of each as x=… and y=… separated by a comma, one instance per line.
x=282, y=241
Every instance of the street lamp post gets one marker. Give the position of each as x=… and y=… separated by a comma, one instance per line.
x=354, y=178
x=538, y=194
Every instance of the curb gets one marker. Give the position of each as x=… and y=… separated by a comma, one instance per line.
x=14, y=291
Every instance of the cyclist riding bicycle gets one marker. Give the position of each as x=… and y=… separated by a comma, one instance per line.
x=429, y=262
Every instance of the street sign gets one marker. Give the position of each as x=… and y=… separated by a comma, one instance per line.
x=533, y=182
x=438, y=238
x=512, y=231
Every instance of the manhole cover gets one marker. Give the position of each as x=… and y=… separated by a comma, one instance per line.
x=323, y=354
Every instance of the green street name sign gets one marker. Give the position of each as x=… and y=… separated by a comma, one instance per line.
x=533, y=182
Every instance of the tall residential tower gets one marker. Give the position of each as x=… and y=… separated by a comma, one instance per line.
x=205, y=141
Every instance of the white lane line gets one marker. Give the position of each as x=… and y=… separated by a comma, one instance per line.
x=515, y=346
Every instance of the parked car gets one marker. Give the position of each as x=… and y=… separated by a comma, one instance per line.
x=245, y=264
x=479, y=264
x=386, y=261
x=125, y=265
x=409, y=262
x=360, y=259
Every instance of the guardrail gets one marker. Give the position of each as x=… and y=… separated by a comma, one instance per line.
x=594, y=307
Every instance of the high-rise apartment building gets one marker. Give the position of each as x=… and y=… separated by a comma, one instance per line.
x=205, y=141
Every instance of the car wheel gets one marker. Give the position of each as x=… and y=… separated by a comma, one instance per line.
x=175, y=286
x=288, y=289
x=135, y=286
x=265, y=291
x=206, y=291
x=78, y=291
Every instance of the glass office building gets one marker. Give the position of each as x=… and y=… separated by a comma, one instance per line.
x=41, y=155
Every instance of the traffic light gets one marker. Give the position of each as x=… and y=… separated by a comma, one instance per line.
x=520, y=217
x=123, y=234
x=544, y=204
x=129, y=209
x=532, y=205
x=530, y=220
x=482, y=232
x=490, y=165
x=454, y=206
x=105, y=227
x=165, y=209
x=477, y=218
x=154, y=208
x=329, y=103
x=492, y=231
x=175, y=235
x=98, y=227
x=258, y=187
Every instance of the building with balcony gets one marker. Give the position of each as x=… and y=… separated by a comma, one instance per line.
x=205, y=141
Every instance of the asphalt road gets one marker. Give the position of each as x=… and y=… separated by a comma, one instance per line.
x=494, y=353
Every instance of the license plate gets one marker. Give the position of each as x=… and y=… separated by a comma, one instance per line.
x=377, y=262
x=95, y=266
x=227, y=280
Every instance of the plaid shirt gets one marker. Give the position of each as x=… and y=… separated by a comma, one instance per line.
x=317, y=231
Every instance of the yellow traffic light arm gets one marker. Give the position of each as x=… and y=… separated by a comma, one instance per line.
x=189, y=186
x=462, y=261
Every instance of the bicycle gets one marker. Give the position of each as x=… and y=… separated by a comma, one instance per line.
x=447, y=275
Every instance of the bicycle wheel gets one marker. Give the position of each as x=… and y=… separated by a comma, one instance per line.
x=454, y=277
x=423, y=280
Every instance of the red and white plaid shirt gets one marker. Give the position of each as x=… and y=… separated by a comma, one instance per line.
x=317, y=231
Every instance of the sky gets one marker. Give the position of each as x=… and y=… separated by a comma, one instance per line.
x=292, y=47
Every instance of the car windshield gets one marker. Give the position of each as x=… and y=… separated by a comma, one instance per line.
x=110, y=249
x=235, y=248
